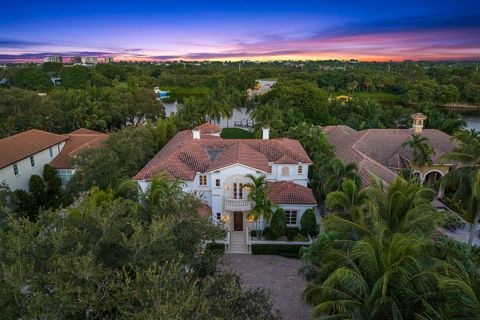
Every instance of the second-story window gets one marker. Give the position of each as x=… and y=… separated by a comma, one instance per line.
x=203, y=180
x=237, y=191
x=51, y=151
x=300, y=169
x=15, y=169
x=217, y=182
x=32, y=161
x=285, y=171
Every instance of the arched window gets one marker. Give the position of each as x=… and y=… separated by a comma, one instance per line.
x=285, y=171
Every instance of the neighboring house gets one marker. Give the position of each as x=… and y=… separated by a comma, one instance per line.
x=215, y=169
x=382, y=152
x=25, y=154
x=78, y=140
x=261, y=87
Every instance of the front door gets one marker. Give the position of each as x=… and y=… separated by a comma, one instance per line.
x=238, y=221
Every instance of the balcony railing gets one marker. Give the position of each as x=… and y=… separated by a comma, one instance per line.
x=238, y=204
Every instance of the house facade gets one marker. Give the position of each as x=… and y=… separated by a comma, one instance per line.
x=385, y=154
x=25, y=154
x=77, y=141
x=216, y=170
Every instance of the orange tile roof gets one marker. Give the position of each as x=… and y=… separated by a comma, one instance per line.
x=77, y=141
x=380, y=151
x=182, y=157
x=25, y=144
x=286, y=192
x=207, y=128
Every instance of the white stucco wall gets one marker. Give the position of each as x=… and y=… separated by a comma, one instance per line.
x=25, y=169
x=214, y=196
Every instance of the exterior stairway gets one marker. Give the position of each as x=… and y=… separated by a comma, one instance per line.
x=238, y=243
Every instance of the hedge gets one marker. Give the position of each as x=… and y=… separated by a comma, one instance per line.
x=283, y=250
x=215, y=246
x=236, y=133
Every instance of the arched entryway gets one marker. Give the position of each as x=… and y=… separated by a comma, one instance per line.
x=432, y=177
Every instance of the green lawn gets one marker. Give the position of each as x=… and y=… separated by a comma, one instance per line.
x=382, y=97
x=236, y=133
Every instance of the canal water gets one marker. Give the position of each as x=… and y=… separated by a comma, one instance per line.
x=472, y=119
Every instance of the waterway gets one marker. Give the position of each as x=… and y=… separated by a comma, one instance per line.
x=473, y=119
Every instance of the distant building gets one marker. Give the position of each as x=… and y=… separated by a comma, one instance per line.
x=108, y=59
x=76, y=60
x=261, y=87
x=56, y=80
x=161, y=94
x=89, y=60
x=57, y=59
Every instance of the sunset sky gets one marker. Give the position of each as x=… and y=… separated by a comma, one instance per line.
x=233, y=30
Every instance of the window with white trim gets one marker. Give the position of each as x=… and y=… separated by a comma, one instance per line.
x=32, y=161
x=291, y=216
x=217, y=182
x=238, y=190
x=15, y=169
x=300, y=169
x=219, y=216
x=203, y=180
x=51, y=151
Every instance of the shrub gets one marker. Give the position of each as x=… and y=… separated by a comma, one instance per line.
x=278, y=224
x=308, y=223
x=24, y=204
x=283, y=250
x=235, y=133
x=291, y=232
x=38, y=189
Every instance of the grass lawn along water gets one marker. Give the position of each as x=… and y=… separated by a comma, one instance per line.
x=236, y=133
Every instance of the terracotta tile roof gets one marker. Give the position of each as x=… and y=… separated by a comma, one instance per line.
x=208, y=128
x=25, y=144
x=286, y=192
x=380, y=151
x=77, y=141
x=182, y=157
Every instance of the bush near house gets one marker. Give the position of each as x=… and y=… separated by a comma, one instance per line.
x=308, y=223
x=292, y=232
x=278, y=224
x=283, y=250
x=236, y=133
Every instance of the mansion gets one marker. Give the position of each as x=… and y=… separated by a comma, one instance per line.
x=216, y=170
x=384, y=153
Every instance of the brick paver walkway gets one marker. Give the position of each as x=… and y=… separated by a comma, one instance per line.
x=276, y=274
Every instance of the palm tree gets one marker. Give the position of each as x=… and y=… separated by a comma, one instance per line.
x=465, y=179
x=160, y=198
x=373, y=279
x=331, y=176
x=461, y=288
x=403, y=207
x=263, y=206
x=422, y=151
x=218, y=103
x=352, y=203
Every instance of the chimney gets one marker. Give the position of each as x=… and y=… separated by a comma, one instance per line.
x=418, y=119
x=196, y=134
x=266, y=133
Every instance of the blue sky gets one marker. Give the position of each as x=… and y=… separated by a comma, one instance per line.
x=261, y=30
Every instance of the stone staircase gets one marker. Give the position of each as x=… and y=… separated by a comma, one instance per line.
x=238, y=243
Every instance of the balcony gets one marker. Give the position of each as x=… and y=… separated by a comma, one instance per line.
x=237, y=205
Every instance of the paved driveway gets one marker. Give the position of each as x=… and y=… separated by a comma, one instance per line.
x=278, y=275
